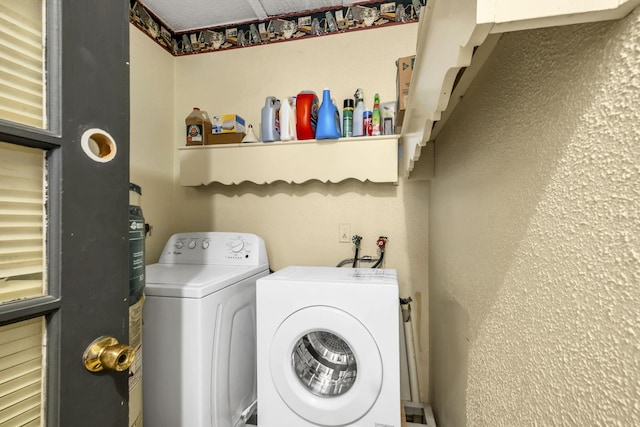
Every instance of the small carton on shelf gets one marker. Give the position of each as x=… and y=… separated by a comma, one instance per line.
x=216, y=124
x=232, y=123
x=388, y=113
x=405, y=69
x=225, y=138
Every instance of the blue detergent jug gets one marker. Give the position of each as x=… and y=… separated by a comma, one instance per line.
x=328, y=127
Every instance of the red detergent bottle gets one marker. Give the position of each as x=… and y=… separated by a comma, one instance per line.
x=306, y=115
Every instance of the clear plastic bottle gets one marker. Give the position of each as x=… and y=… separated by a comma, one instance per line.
x=358, y=114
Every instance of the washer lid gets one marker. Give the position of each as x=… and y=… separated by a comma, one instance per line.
x=194, y=281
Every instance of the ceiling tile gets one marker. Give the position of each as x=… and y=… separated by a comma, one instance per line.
x=185, y=15
x=283, y=7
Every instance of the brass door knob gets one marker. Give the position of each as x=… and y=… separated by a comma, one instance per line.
x=107, y=353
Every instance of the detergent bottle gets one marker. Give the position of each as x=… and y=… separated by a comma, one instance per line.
x=287, y=119
x=270, y=126
x=306, y=115
x=328, y=126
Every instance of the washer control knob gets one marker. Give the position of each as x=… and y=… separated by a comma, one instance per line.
x=205, y=244
x=192, y=244
x=179, y=244
x=237, y=246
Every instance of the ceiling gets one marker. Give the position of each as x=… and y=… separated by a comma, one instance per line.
x=185, y=15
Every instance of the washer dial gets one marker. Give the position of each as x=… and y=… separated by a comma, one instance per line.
x=237, y=245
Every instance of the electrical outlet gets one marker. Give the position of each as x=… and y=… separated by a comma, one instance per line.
x=344, y=233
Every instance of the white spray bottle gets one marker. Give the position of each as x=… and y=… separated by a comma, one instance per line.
x=288, y=119
x=358, y=112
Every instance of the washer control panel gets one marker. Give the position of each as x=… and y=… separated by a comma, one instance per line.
x=220, y=248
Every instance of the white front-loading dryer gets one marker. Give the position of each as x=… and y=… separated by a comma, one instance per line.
x=328, y=348
x=199, y=330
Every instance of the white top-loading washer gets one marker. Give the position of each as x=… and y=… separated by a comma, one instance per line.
x=199, y=330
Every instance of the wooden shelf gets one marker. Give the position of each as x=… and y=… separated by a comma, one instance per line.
x=372, y=159
x=448, y=34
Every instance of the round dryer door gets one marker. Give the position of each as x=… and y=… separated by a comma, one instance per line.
x=326, y=366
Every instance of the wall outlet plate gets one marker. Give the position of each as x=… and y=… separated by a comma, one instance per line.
x=344, y=233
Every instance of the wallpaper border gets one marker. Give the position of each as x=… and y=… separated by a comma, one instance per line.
x=321, y=22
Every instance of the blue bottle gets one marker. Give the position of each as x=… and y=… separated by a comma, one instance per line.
x=328, y=127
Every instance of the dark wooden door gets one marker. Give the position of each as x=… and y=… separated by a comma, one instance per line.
x=85, y=208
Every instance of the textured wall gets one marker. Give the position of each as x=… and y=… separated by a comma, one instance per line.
x=535, y=235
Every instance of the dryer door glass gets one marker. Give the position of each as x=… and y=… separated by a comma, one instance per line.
x=324, y=363
x=326, y=366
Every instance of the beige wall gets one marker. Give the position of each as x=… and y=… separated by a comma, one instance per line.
x=238, y=81
x=535, y=235
x=298, y=222
x=152, y=124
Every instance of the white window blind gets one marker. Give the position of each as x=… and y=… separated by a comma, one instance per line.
x=22, y=212
x=21, y=375
x=22, y=94
x=22, y=196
